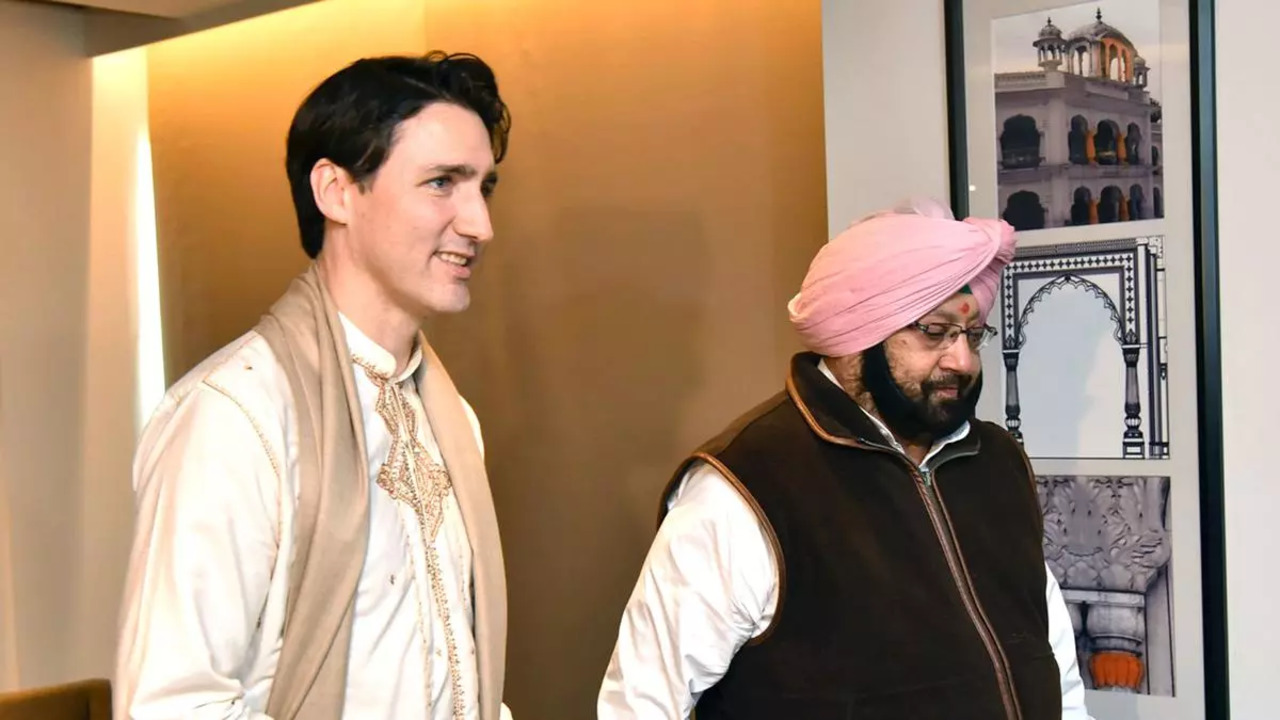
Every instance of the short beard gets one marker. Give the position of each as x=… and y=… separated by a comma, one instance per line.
x=921, y=419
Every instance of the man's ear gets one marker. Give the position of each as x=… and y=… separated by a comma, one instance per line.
x=330, y=187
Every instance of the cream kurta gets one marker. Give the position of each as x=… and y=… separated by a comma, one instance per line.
x=216, y=484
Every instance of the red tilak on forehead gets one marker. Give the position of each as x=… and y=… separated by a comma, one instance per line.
x=964, y=307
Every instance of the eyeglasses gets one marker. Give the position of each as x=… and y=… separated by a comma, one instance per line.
x=941, y=335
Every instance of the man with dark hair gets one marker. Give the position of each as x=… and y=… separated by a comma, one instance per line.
x=859, y=545
x=315, y=532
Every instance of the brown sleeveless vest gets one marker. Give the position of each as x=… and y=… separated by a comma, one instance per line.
x=905, y=594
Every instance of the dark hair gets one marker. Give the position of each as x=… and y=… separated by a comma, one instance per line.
x=351, y=118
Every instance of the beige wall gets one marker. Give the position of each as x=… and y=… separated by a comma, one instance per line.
x=68, y=356
x=44, y=198
x=885, y=104
x=121, y=384
x=663, y=195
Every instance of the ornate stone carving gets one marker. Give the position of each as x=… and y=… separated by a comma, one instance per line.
x=1106, y=542
x=1104, y=532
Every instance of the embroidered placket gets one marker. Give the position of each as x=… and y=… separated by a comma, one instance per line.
x=411, y=476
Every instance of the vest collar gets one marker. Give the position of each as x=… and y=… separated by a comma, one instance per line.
x=836, y=418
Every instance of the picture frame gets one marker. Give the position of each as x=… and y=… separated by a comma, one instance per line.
x=1091, y=128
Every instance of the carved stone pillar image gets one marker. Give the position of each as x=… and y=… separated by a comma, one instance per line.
x=1133, y=439
x=1012, y=406
x=1116, y=626
x=1106, y=542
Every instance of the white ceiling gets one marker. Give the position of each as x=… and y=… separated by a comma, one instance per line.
x=112, y=25
x=157, y=8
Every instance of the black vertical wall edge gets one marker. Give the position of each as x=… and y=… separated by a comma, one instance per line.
x=953, y=27
x=1204, y=184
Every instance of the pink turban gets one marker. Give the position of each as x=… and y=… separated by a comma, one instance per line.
x=888, y=270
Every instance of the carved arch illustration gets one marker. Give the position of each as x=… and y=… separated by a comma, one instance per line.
x=1135, y=309
x=1069, y=281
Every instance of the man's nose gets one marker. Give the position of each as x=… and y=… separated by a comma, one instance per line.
x=959, y=357
x=472, y=220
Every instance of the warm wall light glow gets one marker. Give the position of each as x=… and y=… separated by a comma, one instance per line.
x=150, y=365
x=123, y=216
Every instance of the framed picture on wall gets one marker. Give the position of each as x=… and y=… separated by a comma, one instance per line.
x=1089, y=128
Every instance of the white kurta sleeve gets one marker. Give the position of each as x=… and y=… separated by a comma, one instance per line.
x=1062, y=638
x=708, y=585
x=204, y=546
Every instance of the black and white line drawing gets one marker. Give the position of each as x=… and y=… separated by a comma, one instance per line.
x=1086, y=350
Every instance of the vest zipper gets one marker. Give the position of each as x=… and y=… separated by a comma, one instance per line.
x=923, y=479
x=950, y=549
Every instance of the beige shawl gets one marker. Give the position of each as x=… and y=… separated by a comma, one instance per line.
x=331, y=523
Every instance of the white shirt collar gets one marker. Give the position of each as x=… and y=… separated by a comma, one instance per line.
x=377, y=357
x=959, y=434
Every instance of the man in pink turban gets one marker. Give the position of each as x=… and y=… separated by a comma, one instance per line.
x=923, y=279
x=859, y=545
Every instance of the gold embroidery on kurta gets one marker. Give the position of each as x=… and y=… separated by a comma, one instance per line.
x=411, y=476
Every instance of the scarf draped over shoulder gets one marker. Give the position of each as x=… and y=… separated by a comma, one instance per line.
x=331, y=525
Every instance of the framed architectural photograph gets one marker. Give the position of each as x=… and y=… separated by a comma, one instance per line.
x=1088, y=127
x=1078, y=115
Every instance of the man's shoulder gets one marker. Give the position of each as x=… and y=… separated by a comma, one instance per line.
x=244, y=372
x=1002, y=447
x=752, y=425
x=992, y=432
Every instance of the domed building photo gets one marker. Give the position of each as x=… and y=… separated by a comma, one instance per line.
x=1078, y=116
